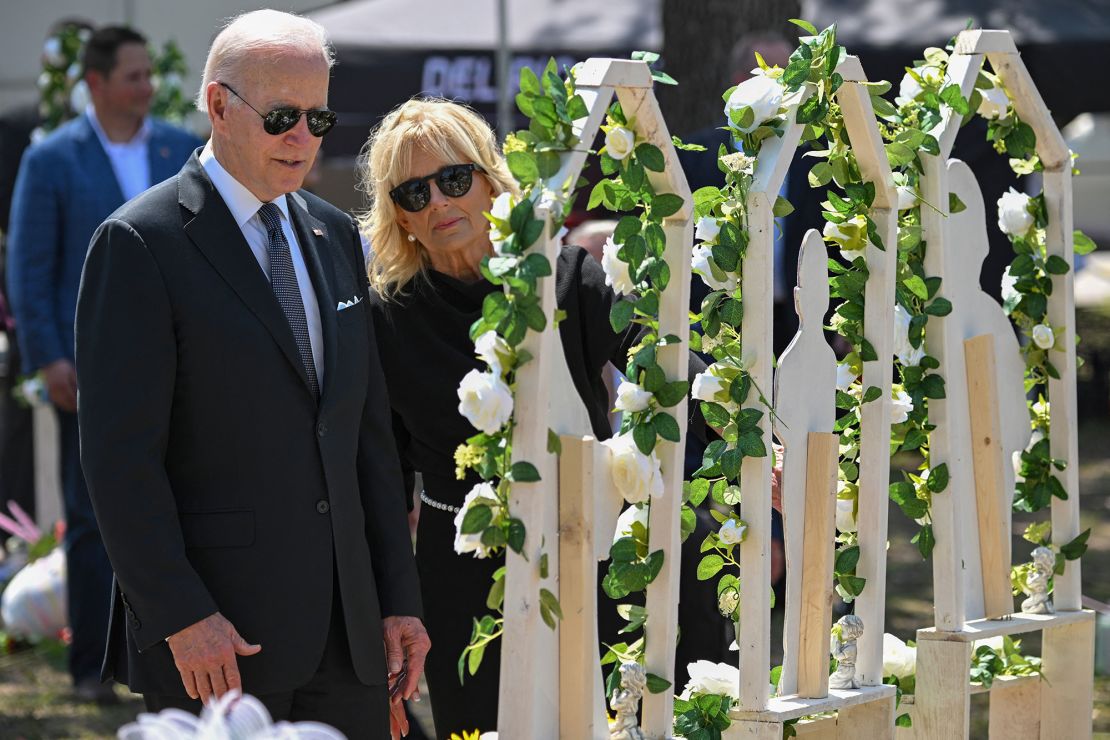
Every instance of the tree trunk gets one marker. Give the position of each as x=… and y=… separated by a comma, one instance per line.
x=698, y=37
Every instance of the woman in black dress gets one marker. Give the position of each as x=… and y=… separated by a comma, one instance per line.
x=428, y=241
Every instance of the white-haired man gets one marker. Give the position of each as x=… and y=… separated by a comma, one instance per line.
x=235, y=431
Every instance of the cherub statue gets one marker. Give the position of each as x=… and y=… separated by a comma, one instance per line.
x=1036, y=583
x=626, y=702
x=844, y=650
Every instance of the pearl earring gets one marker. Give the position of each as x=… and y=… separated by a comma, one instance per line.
x=411, y=238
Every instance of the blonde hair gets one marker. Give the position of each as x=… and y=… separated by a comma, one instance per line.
x=268, y=30
x=444, y=129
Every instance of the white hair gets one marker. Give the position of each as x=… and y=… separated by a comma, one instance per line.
x=258, y=30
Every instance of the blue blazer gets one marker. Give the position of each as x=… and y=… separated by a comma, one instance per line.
x=65, y=188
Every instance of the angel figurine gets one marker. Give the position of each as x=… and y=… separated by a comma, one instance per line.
x=1036, y=583
x=626, y=702
x=844, y=650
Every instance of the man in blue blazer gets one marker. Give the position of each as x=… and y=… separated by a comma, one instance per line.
x=67, y=184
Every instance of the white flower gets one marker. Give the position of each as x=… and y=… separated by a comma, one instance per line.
x=52, y=52
x=906, y=353
x=1040, y=407
x=899, y=659
x=485, y=400
x=636, y=476
x=1043, y=336
x=850, y=236
x=907, y=197
x=739, y=162
x=79, y=97
x=73, y=72
x=501, y=209
x=707, y=677
x=619, y=142
x=482, y=493
x=994, y=104
x=631, y=397
x=616, y=269
x=707, y=386
x=701, y=263
x=172, y=81
x=43, y=81
x=732, y=532
x=493, y=350
x=845, y=376
x=846, y=514
x=1014, y=217
x=1009, y=291
x=900, y=407
x=931, y=75
x=628, y=517
x=727, y=601
x=908, y=89
x=493, y=735
x=707, y=229
x=762, y=94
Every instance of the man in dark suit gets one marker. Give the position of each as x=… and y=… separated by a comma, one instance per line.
x=235, y=430
x=67, y=184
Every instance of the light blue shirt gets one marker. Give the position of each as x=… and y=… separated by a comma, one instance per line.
x=244, y=209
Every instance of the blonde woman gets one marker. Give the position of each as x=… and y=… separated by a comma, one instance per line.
x=430, y=169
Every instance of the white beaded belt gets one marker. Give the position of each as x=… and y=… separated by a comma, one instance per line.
x=424, y=497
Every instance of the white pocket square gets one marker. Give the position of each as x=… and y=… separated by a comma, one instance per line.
x=344, y=305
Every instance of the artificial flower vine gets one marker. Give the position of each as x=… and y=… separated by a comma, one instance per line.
x=485, y=524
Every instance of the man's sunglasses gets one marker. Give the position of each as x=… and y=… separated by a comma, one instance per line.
x=280, y=120
x=454, y=181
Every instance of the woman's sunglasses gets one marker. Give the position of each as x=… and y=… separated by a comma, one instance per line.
x=280, y=120
x=454, y=181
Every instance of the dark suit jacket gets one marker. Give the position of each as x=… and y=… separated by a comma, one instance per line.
x=218, y=482
x=65, y=188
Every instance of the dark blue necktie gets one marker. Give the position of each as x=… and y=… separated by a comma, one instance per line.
x=283, y=280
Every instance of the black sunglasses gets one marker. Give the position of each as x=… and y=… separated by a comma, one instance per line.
x=280, y=120
x=454, y=181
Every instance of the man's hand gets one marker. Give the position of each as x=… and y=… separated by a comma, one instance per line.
x=398, y=720
x=406, y=646
x=204, y=654
x=61, y=384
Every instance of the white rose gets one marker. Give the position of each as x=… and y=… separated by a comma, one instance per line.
x=707, y=386
x=485, y=400
x=907, y=197
x=1040, y=407
x=702, y=264
x=850, y=236
x=628, y=517
x=762, y=94
x=472, y=543
x=732, y=532
x=706, y=229
x=845, y=376
x=906, y=353
x=846, y=515
x=79, y=97
x=899, y=659
x=493, y=350
x=631, y=397
x=1009, y=289
x=994, y=104
x=727, y=602
x=635, y=475
x=74, y=71
x=616, y=269
x=52, y=52
x=908, y=89
x=707, y=677
x=619, y=142
x=44, y=81
x=900, y=407
x=501, y=209
x=1043, y=336
x=1014, y=217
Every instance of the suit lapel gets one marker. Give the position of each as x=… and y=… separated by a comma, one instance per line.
x=218, y=237
x=158, y=154
x=96, y=161
x=313, y=237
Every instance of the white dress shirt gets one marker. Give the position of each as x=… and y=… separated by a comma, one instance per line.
x=244, y=209
x=130, y=159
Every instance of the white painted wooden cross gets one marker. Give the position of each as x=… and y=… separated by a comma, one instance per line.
x=551, y=680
